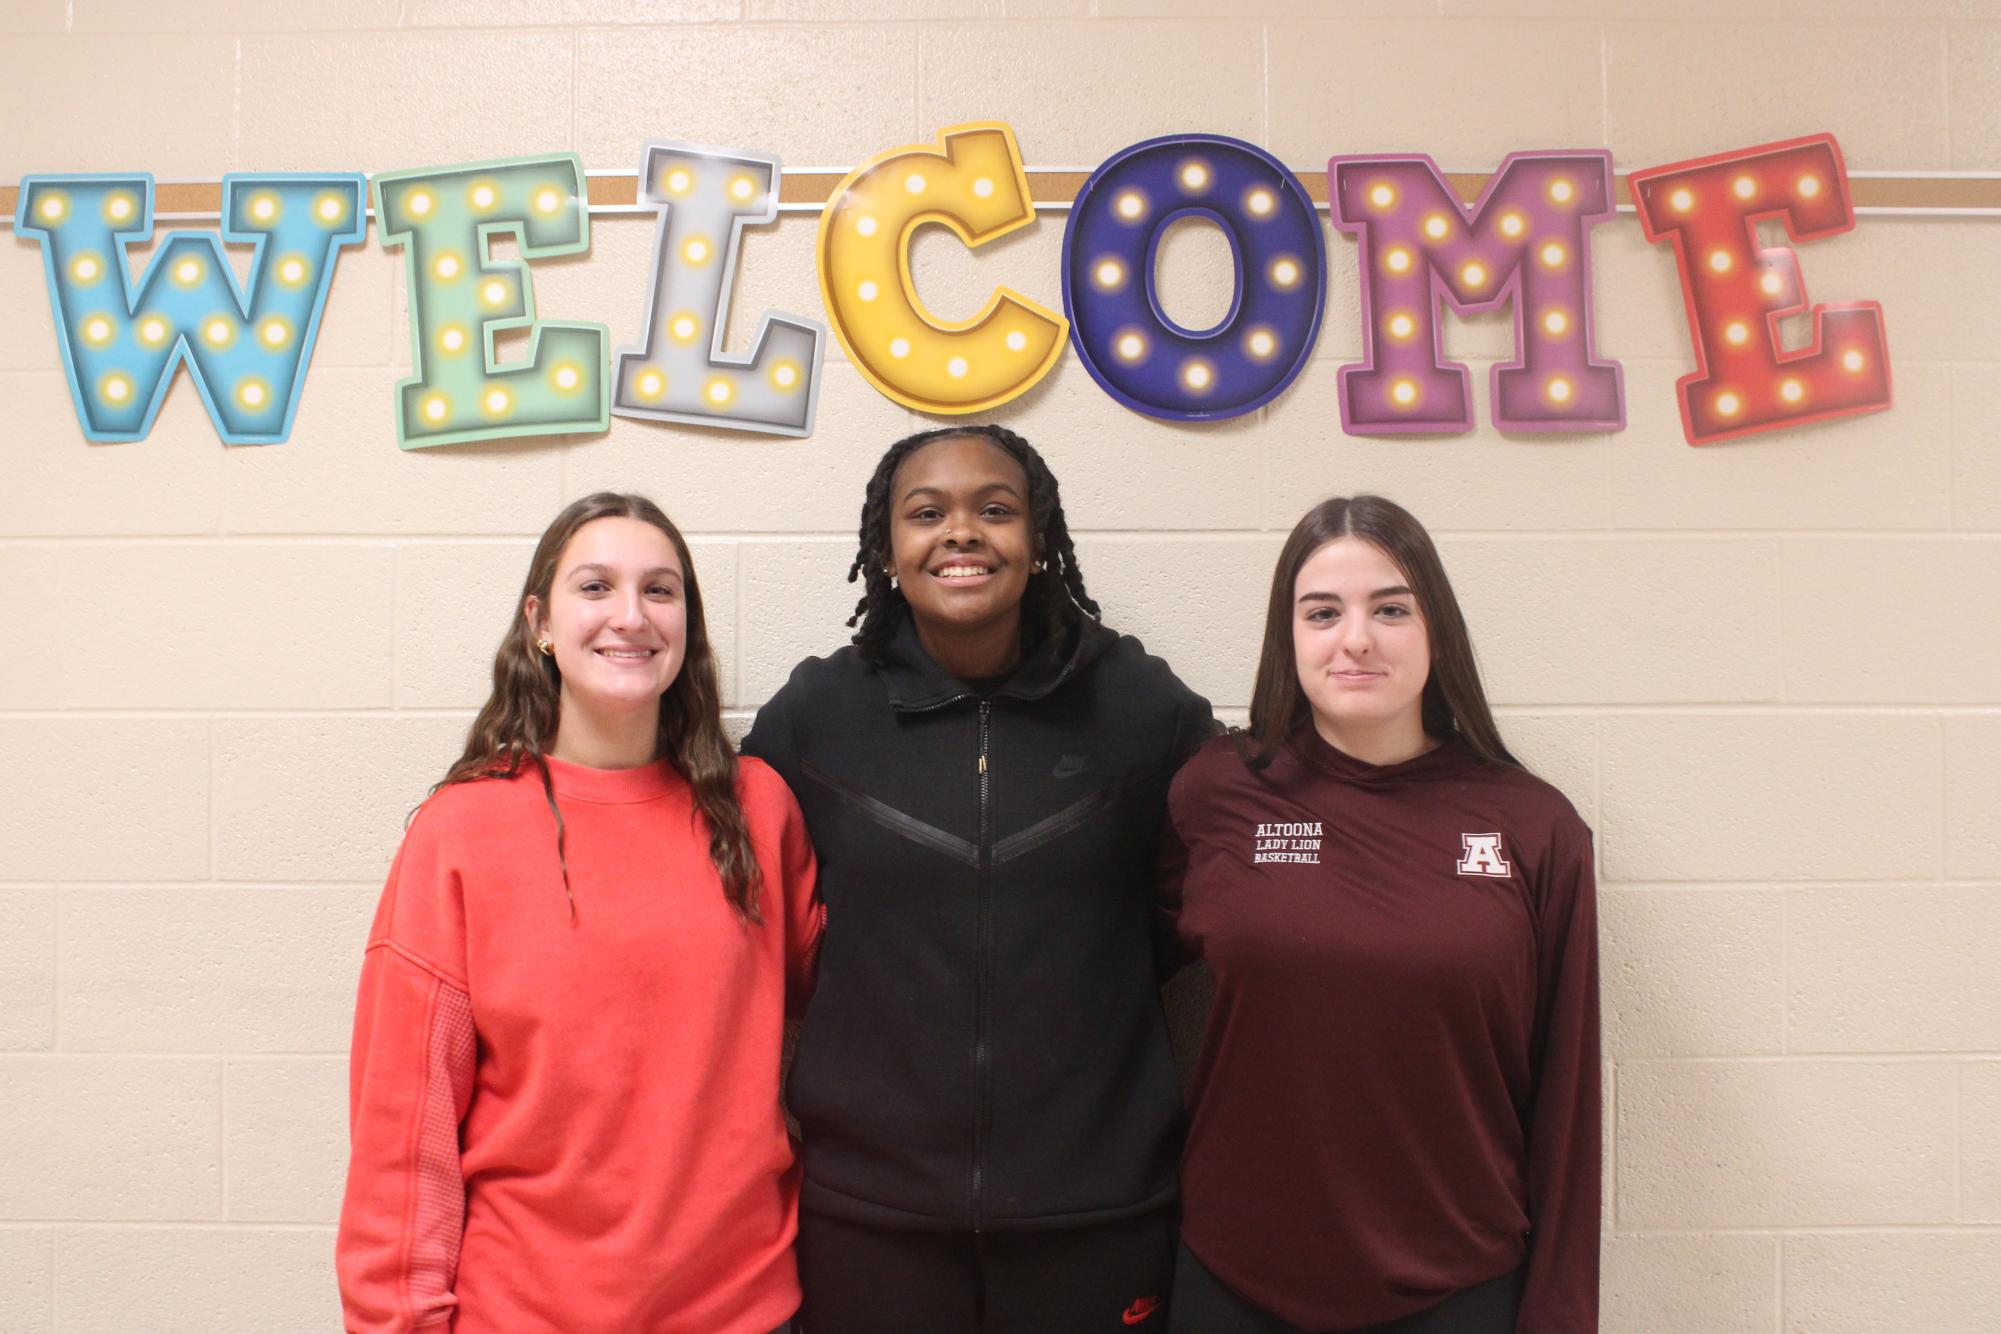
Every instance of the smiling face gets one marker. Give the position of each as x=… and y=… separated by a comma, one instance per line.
x=616, y=620
x=961, y=548
x=1361, y=648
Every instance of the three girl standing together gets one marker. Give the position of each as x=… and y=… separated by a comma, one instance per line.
x=565, y=1110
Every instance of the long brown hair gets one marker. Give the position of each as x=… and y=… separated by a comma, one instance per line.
x=517, y=723
x=1454, y=703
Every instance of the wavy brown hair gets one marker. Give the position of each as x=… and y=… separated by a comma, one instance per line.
x=517, y=724
x=1454, y=702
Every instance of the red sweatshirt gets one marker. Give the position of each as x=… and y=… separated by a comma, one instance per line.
x=1397, y=1095
x=575, y=1126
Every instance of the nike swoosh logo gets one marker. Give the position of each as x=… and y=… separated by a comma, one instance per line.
x=1140, y=1310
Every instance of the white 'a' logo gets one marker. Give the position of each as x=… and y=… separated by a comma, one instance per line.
x=1482, y=855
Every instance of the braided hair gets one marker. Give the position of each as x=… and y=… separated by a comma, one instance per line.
x=1055, y=596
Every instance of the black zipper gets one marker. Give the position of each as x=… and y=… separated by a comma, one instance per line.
x=983, y=949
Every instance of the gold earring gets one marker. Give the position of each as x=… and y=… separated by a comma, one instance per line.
x=547, y=646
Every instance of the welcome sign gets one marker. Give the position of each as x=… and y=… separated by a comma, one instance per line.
x=1523, y=244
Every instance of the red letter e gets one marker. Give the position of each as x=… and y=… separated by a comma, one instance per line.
x=1736, y=292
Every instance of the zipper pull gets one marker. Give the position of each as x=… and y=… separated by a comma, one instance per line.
x=983, y=764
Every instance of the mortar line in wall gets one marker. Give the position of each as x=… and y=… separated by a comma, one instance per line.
x=1944, y=796
x=1681, y=709
x=1780, y=1231
x=80, y=1056
x=1264, y=77
x=1945, y=84
x=395, y=601
x=56, y=973
x=236, y=105
x=1200, y=536
x=1779, y=1285
x=1959, y=1142
x=1823, y=1057
x=1951, y=474
x=1612, y=1163
x=1785, y=973
x=1779, y=657
x=222, y=1138
x=1740, y=886
x=163, y=1225
x=145, y=886
x=1604, y=82
x=210, y=851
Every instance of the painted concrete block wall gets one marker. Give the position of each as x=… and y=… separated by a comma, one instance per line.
x=1768, y=672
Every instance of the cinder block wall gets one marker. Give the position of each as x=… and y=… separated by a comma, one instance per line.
x=1769, y=672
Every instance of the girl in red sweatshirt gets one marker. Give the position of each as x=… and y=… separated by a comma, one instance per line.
x=1395, y=1121
x=564, y=1083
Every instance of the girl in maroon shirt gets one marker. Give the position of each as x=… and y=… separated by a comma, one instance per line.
x=1395, y=1113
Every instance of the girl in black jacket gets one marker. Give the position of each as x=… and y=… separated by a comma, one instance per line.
x=984, y=1080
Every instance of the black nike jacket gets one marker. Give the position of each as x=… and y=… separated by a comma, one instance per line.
x=985, y=1047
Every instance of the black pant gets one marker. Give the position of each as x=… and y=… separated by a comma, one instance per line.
x=1202, y=1305
x=860, y=1279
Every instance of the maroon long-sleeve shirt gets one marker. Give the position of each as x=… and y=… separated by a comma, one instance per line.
x=1398, y=1093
